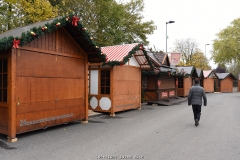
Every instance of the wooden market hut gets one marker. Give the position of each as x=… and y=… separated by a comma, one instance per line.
x=208, y=82
x=158, y=85
x=224, y=82
x=43, y=68
x=185, y=79
x=238, y=82
x=116, y=84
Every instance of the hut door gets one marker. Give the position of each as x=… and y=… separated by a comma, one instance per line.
x=3, y=80
x=3, y=94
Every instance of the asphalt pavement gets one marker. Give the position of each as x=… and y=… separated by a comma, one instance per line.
x=153, y=133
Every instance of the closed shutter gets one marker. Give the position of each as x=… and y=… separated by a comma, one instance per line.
x=167, y=82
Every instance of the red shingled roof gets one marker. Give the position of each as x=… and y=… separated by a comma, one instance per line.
x=118, y=52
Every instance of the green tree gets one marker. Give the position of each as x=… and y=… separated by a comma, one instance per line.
x=226, y=47
x=10, y=15
x=16, y=13
x=110, y=22
x=221, y=68
x=133, y=26
x=198, y=60
x=234, y=69
x=37, y=10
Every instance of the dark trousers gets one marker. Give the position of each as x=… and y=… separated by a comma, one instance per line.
x=197, y=111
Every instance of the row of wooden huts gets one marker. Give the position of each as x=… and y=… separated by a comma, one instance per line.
x=179, y=80
x=52, y=72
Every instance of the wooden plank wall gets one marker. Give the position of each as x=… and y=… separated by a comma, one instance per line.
x=150, y=96
x=187, y=84
x=180, y=92
x=227, y=85
x=50, y=82
x=167, y=82
x=127, y=88
x=3, y=119
x=151, y=83
x=208, y=85
x=238, y=85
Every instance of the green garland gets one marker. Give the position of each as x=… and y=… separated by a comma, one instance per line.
x=33, y=33
x=130, y=55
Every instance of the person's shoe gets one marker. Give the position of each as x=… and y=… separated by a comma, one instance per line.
x=196, y=122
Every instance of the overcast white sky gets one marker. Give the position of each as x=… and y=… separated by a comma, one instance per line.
x=196, y=19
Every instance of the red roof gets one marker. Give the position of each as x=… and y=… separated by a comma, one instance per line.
x=118, y=52
x=206, y=73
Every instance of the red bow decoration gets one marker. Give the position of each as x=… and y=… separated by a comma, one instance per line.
x=16, y=43
x=122, y=63
x=75, y=20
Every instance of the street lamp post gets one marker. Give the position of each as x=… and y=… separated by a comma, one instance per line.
x=166, y=32
x=205, y=49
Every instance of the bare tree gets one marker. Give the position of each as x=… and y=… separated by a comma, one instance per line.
x=187, y=47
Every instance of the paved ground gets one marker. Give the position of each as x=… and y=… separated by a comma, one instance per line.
x=153, y=133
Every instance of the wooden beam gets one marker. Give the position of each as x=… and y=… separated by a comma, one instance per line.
x=12, y=110
x=94, y=60
x=51, y=52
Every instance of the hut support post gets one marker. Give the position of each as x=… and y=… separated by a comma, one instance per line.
x=140, y=91
x=176, y=87
x=12, y=105
x=157, y=88
x=112, y=92
x=85, y=96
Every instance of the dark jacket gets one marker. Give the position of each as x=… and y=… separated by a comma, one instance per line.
x=196, y=94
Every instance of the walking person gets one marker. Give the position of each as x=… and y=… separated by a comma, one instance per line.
x=195, y=96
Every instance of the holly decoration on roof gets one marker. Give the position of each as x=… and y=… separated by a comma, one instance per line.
x=130, y=55
x=44, y=28
x=33, y=33
x=75, y=20
x=16, y=42
x=58, y=24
